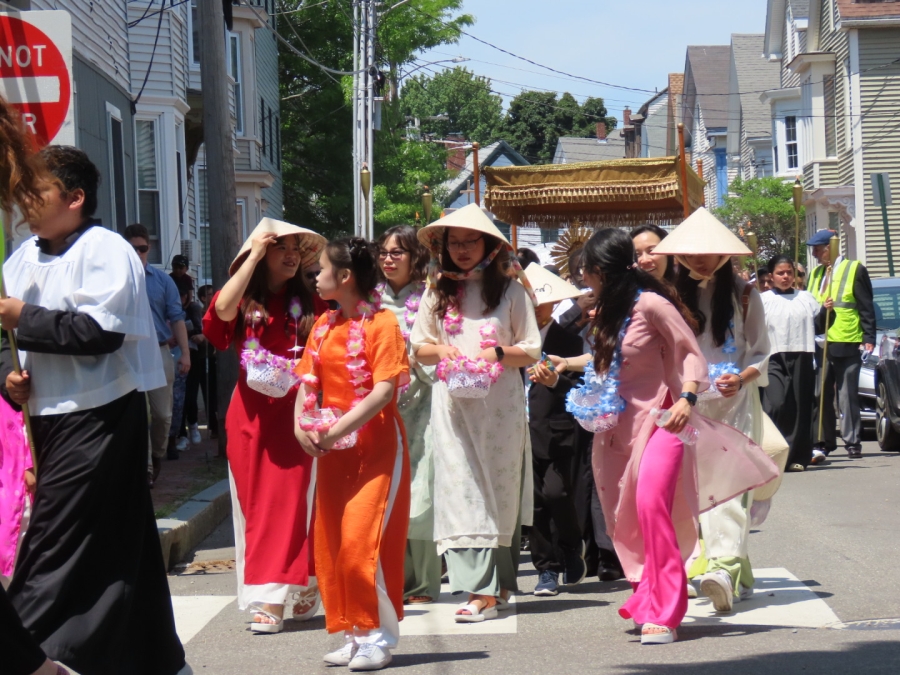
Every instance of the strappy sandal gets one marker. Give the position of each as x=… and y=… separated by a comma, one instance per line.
x=419, y=600
x=260, y=627
x=653, y=634
x=305, y=604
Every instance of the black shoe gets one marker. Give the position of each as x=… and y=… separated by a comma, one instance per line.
x=548, y=584
x=854, y=451
x=576, y=568
x=610, y=567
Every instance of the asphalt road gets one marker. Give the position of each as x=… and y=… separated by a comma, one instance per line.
x=828, y=601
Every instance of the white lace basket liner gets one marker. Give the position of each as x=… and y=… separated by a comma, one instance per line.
x=462, y=384
x=311, y=418
x=269, y=380
x=590, y=398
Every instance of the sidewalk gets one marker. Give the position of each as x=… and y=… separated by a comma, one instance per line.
x=191, y=498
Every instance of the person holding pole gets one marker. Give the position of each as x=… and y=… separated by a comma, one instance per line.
x=843, y=287
x=90, y=584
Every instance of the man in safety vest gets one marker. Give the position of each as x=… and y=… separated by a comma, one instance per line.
x=847, y=291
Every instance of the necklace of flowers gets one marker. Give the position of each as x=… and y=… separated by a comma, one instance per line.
x=606, y=385
x=448, y=367
x=254, y=353
x=412, y=308
x=357, y=366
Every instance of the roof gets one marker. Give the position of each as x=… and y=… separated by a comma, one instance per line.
x=868, y=10
x=487, y=156
x=590, y=149
x=709, y=66
x=755, y=74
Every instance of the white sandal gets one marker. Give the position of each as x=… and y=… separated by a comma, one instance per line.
x=476, y=614
x=308, y=601
x=259, y=627
x=664, y=636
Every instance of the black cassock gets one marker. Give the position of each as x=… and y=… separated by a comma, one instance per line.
x=90, y=583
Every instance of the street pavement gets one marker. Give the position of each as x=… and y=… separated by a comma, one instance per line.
x=827, y=601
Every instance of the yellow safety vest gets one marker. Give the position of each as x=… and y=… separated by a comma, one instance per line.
x=846, y=326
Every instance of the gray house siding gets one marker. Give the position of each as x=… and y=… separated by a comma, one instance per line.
x=94, y=90
x=268, y=112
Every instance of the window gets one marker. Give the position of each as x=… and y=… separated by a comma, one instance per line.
x=194, y=35
x=242, y=217
x=830, y=116
x=790, y=142
x=234, y=69
x=149, y=209
x=117, y=169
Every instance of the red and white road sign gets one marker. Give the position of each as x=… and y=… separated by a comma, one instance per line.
x=36, y=72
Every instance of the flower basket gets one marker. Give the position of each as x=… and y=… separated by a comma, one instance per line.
x=585, y=405
x=321, y=420
x=270, y=380
x=468, y=378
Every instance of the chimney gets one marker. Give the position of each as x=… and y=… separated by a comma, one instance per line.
x=456, y=157
x=626, y=117
x=601, y=131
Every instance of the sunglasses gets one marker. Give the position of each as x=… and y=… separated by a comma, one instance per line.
x=142, y=249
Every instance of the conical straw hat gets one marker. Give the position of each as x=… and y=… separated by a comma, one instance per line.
x=548, y=287
x=701, y=234
x=470, y=217
x=311, y=243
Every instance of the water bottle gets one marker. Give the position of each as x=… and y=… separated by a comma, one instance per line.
x=688, y=435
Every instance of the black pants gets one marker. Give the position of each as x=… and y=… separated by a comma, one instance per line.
x=555, y=529
x=90, y=584
x=20, y=653
x=202, y=373
x=788, y=400
x=841, y=378
x=583, y=489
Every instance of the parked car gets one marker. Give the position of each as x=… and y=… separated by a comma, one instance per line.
x=879, y=379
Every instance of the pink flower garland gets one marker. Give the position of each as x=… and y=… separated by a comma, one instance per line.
x=447, y=367
x=453, y=316
x=412, y=309
x=253, y=352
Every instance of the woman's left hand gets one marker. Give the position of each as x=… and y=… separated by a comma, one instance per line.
x=681, y=413
x=728, y=385
x=324, y=441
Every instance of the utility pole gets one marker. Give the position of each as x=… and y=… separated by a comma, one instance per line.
x=224, y=235
x=365, y=23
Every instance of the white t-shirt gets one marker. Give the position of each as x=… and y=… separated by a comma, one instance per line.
x=790, y=318
x=101, y=276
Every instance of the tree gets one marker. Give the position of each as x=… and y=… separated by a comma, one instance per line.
x=535, y=121
x=764, y=206
x=461, y=100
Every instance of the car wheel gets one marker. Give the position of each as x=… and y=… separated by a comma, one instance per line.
x=887, y=436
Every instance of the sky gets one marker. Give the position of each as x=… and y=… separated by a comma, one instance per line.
x=630, y=43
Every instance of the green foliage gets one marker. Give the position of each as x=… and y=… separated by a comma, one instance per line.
x=460, y=95
x=535, y=121
x=764, y=206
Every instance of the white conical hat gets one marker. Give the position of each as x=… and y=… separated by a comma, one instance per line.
x=470, y=217
x=701, y=234
x=548, y=287
x=311, y=243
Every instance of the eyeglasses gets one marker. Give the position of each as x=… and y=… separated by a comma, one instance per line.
x=142, y=249
x=394, y=253
x=801, y=274
x=463, y=245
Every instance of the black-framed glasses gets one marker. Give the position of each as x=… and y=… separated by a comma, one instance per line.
x=143, y=248
x=463, y=245
x=394, y=253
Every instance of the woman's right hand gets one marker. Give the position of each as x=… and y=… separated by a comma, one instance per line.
x=18, y=386
x=259, y=245
x=308, y=443
x=448, y=352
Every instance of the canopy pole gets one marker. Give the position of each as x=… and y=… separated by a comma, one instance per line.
x=514, y=232
x=684, y=176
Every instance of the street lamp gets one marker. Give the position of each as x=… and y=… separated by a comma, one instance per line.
x=426, y=205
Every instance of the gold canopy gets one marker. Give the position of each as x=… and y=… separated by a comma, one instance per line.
x=619, y=192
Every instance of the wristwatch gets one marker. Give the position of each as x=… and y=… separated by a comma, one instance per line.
x=500, y=353
x=689, y=397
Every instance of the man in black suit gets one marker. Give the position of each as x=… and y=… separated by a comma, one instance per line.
x=557, y=545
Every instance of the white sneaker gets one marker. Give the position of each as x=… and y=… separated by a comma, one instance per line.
x=194, y=433
x=343, y=656
x=181, y=444
x=746, y=593
x=370, y=657
x=691, y=591
x=717, y=586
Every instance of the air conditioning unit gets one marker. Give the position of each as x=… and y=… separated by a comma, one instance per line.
x=190, y=248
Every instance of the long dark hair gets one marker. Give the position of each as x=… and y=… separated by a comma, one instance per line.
x=724, y=293
x=409, y=242
x=360, y=257
x=256, y=298
x=610, y=252
x=778, y=260
x=669, y=274
x=495, y=281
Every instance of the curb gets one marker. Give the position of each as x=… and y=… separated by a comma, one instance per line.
x=193, y=522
